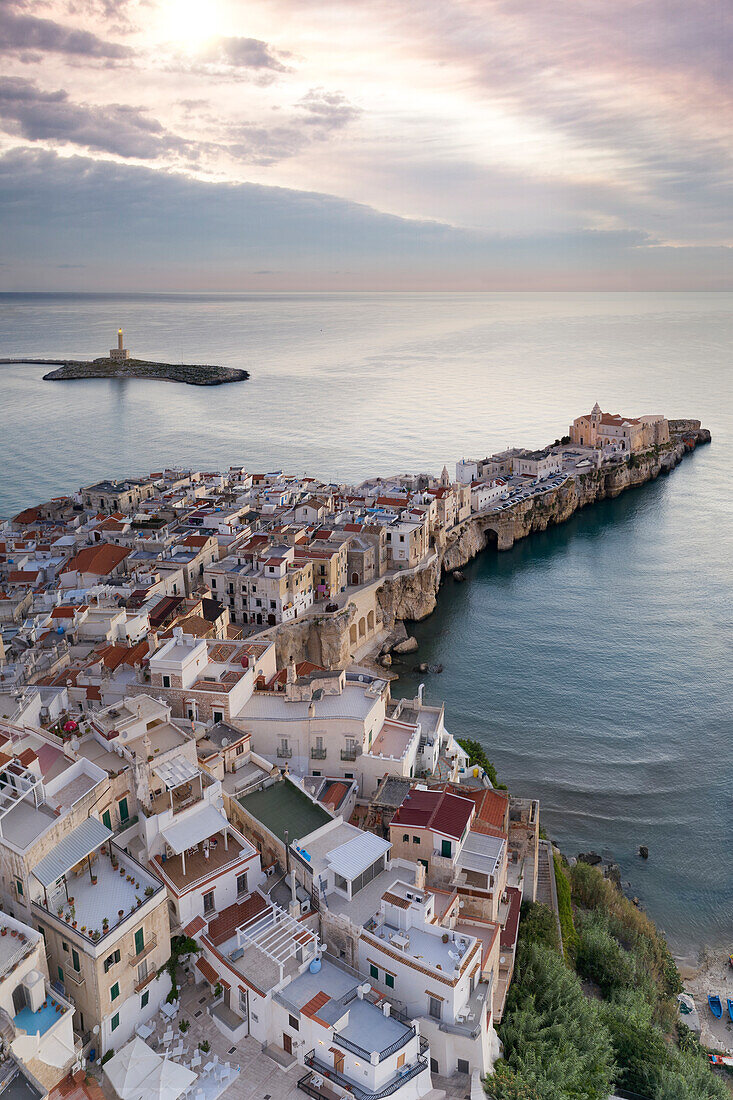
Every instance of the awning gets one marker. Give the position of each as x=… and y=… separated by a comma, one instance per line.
x=198, y=827
x=353, y=857
x=72, y=849
x=174, y=773
x=127, y=1069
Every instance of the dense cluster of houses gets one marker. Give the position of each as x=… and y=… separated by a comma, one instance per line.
x=352, y=884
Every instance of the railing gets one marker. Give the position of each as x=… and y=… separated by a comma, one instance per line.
x=145, y=981
x=318, y=754
x=347, y=1044
x=284, y=753
x=352, y=753
x=137, y=956
x=75, y=976
x=404, y=1075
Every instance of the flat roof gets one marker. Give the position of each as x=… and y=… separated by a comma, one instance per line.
x=199, y=826
x=283, y=806
x=353, y=857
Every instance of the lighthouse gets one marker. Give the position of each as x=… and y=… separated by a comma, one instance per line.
x=119, y=353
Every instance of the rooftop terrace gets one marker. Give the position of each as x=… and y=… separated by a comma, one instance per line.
x=282, y=808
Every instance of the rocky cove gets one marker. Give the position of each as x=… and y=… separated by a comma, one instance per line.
x=327, y=638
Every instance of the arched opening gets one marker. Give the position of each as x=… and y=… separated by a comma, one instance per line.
x=354, y=578
x=352, y=633
x=362, y=628
x=370, y=621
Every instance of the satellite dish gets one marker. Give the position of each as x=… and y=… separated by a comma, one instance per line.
x=74, y=744
x=224, y=742
x=95, y=1029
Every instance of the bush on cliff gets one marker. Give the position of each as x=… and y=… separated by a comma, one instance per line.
x=565, y=910
x=555, y=1045
x=477, y=755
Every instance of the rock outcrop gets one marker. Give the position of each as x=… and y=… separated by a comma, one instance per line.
x=324, y=639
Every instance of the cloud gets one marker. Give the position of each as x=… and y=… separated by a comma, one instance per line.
x=19, y=31
x=315, y=116
x=74, y=210
x=125, y=131
x=327, y=110
x=248, y=53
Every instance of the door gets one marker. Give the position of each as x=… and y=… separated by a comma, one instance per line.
x=445, y=849
x=287, y=1043
x=139, y=940
x=338, y=1061
x=124, y=811
x=107, y=820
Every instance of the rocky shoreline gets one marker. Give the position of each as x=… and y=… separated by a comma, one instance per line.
x=189, y=374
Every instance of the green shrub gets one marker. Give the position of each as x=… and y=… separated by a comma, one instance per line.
x=555, y=1045
x=537, y=924
x=106, y=1057
x=565, y=910
x=602, y=959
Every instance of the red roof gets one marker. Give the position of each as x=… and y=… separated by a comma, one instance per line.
x=438, y=811
x=491, y=808
x=511, y=925
x=195, y=926
x=208, y=971
x=99, y=560
x=234, y=916
x=334, y=794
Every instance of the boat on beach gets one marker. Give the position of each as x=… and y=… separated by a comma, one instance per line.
x=716, y=1005
x=730, y=1008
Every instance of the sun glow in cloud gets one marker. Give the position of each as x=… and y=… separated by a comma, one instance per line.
x=188, y=24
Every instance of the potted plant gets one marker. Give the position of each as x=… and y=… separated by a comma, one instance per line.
x=183, y=1026
x=94, y=880
x=95, y=934
x=13, y=932
x=205, y=1047
x=446, y=937
x=3, y=931
x=149, y=891
x=120, y=913
x=60, y=911
x=218, y=989
x=83, y=928
x=68, y=918
x=122, y=872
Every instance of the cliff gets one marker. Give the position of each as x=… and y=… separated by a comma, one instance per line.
x=324, y=639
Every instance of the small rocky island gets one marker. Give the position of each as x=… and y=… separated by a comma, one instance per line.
x=118, y=364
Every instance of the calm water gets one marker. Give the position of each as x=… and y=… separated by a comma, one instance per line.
x=592, y=661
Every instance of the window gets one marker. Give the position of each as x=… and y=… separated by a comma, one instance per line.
x=124, y=810
x=213, y=582
x=242, y=883
x=110, y=961
x=416, y=840
x=114, y=992
x=209, y=902
x=218, y=716
x=19, y=887
x=435, y=1007
x=75, y=960
x=389, y=980
x=374, y=971
x=115, y=1022
x=463, y=1065
x=139, y=940
x=294, y=1023
x=446, y=848
x=65, y=945
x=400, y=1061
x=348, y=775
x=240, y=750
x=61, y=974
x=405, y=838
x=166, y=681
x=144, y=999
x=107, y=820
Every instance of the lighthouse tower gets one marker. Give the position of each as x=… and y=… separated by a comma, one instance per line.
x=119, y=353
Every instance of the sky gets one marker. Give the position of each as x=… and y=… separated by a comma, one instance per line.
x=366, y=145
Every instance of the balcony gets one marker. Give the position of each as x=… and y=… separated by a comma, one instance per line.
x=284, y=753
x=329, y=1073
x=140, y=985
x=137, y=956
x=362, y=1052
x=351, y=752
x=318, y=754
x=75, y=976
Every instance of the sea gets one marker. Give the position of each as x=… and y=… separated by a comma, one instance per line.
x=593, y=661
